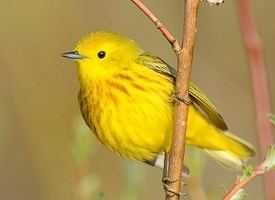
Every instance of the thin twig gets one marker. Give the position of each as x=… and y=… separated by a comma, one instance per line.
x=184, y=60
x=260, y=86
x=260, y=170
x=166, y=33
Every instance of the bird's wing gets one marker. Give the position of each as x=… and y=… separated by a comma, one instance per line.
x=199, y=98
x=207, y=106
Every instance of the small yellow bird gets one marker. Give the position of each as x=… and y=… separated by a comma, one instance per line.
x=126, y=99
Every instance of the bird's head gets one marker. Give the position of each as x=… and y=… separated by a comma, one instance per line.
x=100, y=55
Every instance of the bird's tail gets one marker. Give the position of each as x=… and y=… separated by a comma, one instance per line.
x=236, y=152
x=226, y=148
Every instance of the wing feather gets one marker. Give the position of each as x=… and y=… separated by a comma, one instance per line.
x=198, y=96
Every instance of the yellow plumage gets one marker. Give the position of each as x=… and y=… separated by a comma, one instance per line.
x=126, y=99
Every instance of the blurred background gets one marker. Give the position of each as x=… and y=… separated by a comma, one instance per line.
x=46, y=151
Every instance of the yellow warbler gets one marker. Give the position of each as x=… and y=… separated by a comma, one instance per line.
x=126, y=99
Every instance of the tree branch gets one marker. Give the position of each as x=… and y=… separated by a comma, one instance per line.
x=260, y=85
x=261, y=169
x=166, y=33
x=184, y=60
x=249, y=173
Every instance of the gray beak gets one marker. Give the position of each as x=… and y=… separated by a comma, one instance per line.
x=72, y=55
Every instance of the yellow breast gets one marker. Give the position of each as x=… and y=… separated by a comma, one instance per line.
x=130, y=113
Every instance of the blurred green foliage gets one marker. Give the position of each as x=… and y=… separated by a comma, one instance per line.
x=246, y=173
x=101, y=197
x=82, y=148
x=195, y=159
x=133, y=177
x=82, y=144
x=272, y=118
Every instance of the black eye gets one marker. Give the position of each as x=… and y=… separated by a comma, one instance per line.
x=101, y=54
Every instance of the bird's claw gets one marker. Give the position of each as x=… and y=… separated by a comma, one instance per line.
x=166, y=181
x=178, y=99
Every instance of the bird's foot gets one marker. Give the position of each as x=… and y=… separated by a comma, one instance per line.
x=177, y=99
x=170, y=192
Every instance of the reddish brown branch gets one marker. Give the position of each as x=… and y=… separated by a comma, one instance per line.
x=184, y=60
x=261, y=169
x=166, y=33
x=260, y=85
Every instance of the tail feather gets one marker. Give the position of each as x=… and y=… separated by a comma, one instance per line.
x=226, y=148
x=237, y=152
x=241, y=147
x=226, y=159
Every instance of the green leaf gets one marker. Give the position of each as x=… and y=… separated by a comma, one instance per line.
x=240, y=195
x=246, y=173
x=272, y=118
x=270, y=158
